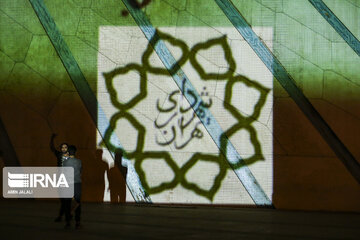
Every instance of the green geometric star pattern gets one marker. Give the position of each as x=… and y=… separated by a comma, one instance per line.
x=243, y=122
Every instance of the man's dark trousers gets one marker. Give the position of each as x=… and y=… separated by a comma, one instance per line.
x=77, y=196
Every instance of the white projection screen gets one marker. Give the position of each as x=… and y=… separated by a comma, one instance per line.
x=172, y=152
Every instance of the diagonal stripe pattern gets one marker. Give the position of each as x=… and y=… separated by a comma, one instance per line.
x=85, y=92
x=279, y=72
x=339, y=27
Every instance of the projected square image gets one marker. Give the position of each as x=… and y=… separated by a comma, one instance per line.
x=166, y=131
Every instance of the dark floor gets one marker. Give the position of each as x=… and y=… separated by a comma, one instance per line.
x=27, y=219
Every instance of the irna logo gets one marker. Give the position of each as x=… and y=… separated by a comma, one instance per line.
x=30, y=180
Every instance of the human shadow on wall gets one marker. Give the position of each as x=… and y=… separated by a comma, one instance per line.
x=116, y=177
x=96, y=177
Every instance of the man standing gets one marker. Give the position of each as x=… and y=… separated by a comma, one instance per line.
x=76, y=164
x=61, y=156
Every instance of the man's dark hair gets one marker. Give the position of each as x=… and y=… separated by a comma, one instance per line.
x=72, y=150
x=64, y=143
